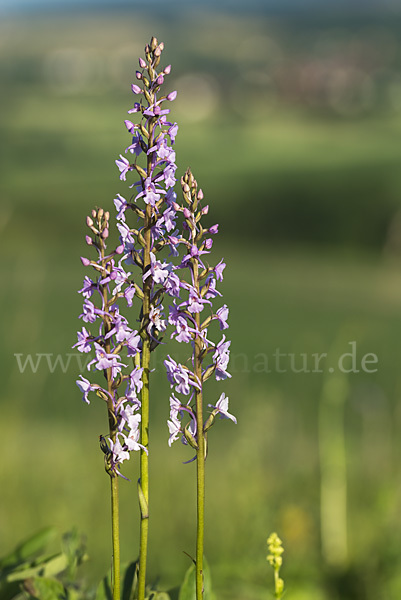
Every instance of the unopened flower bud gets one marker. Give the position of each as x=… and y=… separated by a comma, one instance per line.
x=93, y=213
x=147, y=49
x=120, y=249
x=186, y=188
x=89, y=221
x=167, y=70
x=200, y=195
x=187, y=213
x=205, y=209
x=160, y=79
x=214, y=229
x=209, y=422
x=88, y=240
x=100, y=213
x=190, y=438
x=153, y=43
x=158, y=51
x=142, y=63
x=135, y=88
x=189, y=177
x=105, y=233
x=161, y=46
x=176, y=206
x=107, y=215
x=85, y=261
x=171, y=96
x=138, y=75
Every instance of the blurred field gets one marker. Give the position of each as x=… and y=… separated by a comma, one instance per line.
x=307, y=196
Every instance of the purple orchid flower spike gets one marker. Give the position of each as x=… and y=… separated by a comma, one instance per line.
x=197, y=292
x=192, y=316
x=145, y=221
x=112, y=337
x=152, y=136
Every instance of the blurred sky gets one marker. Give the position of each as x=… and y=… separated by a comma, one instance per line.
x=16, y=5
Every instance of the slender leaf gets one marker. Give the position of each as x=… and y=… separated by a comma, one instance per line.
x=129, y=577
x=188, y=587
x=129, y=580
x=103, y=591
x=52, y=566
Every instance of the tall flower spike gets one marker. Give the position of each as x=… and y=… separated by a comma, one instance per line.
x=191, y=314
x=146, y=221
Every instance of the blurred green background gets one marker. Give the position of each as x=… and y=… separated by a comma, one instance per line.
x=291, y=121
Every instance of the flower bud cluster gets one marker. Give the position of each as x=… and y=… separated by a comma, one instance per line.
x=152, y=141
x=191, y=315
x=152, y=137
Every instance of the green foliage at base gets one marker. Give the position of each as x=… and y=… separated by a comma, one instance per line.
x=30, y=571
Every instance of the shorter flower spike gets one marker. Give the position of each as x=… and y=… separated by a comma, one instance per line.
x=112, y=338
x=275, y=559
x=196, y=288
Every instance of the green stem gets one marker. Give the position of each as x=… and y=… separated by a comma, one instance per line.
x=276, y=594
x=115, y=526
x=144, y=463
x=116, y=537
x=144, y=473
x=200, y=513
x=200, y=456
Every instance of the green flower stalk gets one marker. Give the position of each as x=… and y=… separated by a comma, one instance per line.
x=107, y=351
x=275, y=559
x=152, y=138
x=187, y=314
